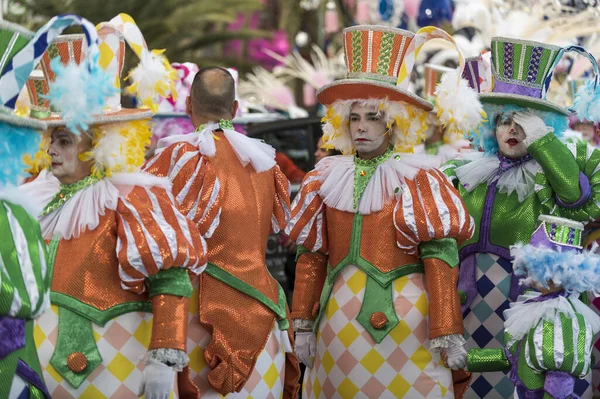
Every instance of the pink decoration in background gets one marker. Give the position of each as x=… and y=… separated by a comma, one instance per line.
x=363, y=12
x=309, y=95
x=170, y=126
x=411, y=8
x=332, y=24
x=279, y=44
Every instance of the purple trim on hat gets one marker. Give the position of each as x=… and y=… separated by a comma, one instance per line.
x=515, y=88
x=534, y=64
x=540, y=239
x=508, y=60
x=30, y=376
x=471, y=74
x=586, y=193
x=12, y=331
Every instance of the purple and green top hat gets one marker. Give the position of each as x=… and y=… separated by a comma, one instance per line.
x=522, y=71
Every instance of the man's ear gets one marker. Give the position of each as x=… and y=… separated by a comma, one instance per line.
x=188, y=106
x=234, y=109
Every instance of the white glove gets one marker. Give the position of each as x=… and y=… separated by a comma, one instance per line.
x=457, y=357
x=306, y=347
x=157, y=381
x=533, y=126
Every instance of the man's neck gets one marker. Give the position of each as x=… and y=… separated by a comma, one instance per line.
x=373, y=154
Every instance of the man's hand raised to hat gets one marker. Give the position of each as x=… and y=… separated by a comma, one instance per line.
x=533, y=126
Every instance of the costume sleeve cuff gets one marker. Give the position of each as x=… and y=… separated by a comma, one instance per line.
x=444, y=249
x=447, y=341
x=169, y=322
x=484, y=360
x=171, y=357
x=172, y=281
x=303, y=325
x=586, y=193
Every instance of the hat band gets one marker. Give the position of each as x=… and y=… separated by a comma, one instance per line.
x=513, y=88
x=373, y=76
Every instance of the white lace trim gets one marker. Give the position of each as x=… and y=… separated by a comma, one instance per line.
x=447, y=341
x=303, y=324
x=82, y=211
x=174, y=358
x=521, y=316
x=13, y=195
x=336, y=174
x=248, y=150
x=482, y=169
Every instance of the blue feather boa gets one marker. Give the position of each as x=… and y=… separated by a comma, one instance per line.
x=17, y=141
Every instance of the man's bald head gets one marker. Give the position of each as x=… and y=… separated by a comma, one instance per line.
x=213, y=94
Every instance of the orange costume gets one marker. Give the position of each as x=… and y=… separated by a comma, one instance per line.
x=241, y=344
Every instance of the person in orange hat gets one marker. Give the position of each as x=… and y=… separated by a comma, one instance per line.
x=375, y=304
x=240, y=339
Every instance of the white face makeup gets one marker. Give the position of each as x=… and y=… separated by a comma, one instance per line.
x=510, y=137
x=368, y=130
x=64, y=151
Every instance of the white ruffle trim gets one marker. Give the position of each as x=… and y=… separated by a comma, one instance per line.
x=303, y=325
x=336, y=174
x=174, y=358
x=482, y=168
x=522, y=317
x=447, y=341
x=248, y=150
x=13, y=195
x=83, y=210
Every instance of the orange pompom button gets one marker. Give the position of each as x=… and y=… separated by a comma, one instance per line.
x=77, y=362
x=378, y=320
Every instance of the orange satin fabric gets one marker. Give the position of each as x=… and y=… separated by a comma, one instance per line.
x=311, y=271
x=445, y=316
x=168, y=331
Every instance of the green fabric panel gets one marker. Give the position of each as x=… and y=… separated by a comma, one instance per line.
x=462, y=296
x=75, y=334
x=173, y=281
x=378, y=299
x=567, y=332
x=548, y=349
x=485, y=360
x=580, y=345
x=51, y=259
x=444, y=249
x=11, y=262
x=559, y=166
x=301, y=250
x=100, y=317
x=592, y=163
x=364, y=170
x=547, y=58
x=28, y=354
x=385, y=53
x=527, y=62
x=530, y=378
x=5, y=38
x=356, y=51
x=279, y=309
x=517, y=49
x=498, y=57
x=33, y=234
x=531, y=354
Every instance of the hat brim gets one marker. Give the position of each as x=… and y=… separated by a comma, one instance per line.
x=170, y=115
x=358, y=89
x=522, y=101
x=124, y=115
x=16, y=120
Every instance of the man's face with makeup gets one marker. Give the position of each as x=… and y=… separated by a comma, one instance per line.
x=64, y=151
x=510, y=137
x=368, y=130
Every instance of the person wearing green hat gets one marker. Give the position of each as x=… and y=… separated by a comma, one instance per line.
x=521, y=171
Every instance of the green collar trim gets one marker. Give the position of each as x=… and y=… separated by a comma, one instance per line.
x=67, y=191
x=364, y=170
x=223, y=124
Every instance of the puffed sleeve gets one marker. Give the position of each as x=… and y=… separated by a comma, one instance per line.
x=195, y=184
x=431, y=220
x=308, y=228
x=157, y=246
x=281, y=208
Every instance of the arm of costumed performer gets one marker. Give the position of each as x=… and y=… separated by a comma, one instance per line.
x=571, y=187
x=308, y=228
x=431, y=219
x=195, y=185
x=157, y=247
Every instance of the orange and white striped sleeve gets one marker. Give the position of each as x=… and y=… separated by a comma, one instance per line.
x=195, y=185
x=281, y=208
x=431, y=221
x=308, y=225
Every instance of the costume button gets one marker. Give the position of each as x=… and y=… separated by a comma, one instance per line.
x=378, y=320
x=77, y=362
x=363, y=173
x=315, y=310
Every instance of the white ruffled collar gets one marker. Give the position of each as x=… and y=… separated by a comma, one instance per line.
x=336, y=174
x=522, y=317
x=83, y=210
x=248, y=150
x=482, y=168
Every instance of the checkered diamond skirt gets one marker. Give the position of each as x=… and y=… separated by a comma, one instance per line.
x=349, y=364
